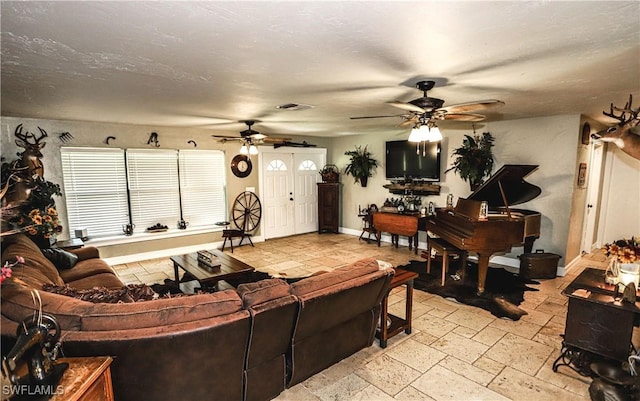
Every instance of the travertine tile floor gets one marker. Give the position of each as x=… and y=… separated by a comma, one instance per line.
x=455, y=352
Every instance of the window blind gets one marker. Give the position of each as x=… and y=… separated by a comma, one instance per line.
x=202, y=183
x=95, y=189
x=153, y=187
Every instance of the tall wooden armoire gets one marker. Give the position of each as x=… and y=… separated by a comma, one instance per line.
x=328, y=206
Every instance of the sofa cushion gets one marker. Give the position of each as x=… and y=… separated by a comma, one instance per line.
x=37, y=269
x=262, y=291
x=88, y=268
x=108, y=280
x=61, y=259
x=160, y=312
x=338, y=276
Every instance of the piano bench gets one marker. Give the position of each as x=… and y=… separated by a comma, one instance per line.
x=445, y=249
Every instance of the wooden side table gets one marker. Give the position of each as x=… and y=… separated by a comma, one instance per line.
x=86, y=379
x=386, y=331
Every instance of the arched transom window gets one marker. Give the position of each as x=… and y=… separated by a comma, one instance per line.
x=307, y=165
x=276, y=165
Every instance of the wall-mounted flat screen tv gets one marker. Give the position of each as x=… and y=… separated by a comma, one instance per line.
x=402, y=161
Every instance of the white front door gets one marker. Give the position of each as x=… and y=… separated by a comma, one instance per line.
x=288, y=186
x=306, y=175
x=277, y=195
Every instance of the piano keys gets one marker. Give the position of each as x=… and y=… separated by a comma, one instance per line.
x=503, y=228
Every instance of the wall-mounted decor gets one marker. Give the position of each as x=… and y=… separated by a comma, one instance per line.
x=586, y=133
x=241, y=166
x=191, y=141
x=107, y=139
x=65, y=137
x=153, y=140
x=622, y=134
x=582, y=175
x=361, y=164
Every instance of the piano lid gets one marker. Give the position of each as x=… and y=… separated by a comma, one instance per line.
x=515, y=188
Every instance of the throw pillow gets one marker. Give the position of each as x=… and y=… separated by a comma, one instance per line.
x=62, y=259
x=127, y=294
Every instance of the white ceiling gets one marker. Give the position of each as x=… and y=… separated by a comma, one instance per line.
x=209, y=64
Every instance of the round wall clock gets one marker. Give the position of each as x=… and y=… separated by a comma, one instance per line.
x=586, y=133
x=241, y=166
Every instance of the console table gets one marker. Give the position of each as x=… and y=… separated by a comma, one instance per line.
x=398, y=224
x=596, y=323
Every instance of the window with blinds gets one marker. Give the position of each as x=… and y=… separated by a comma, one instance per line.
x=95, y=188
x=160, y=184
x=153, y=187
x=202, y=186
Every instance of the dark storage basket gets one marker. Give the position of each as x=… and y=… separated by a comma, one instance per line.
x=330, y=173
x=539, y=264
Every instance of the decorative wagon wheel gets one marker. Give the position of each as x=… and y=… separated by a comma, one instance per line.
x=247, y=211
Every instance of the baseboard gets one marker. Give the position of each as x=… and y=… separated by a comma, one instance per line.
x=165, y=253
x=512, y=263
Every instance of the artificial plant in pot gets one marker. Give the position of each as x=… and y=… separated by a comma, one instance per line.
x=474, y=159
x=361, y=164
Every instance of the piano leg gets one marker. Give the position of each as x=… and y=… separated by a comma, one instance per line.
x=528, y=244
x=483, y=266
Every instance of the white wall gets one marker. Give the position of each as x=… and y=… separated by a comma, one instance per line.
x=549, y=142
x=620, y=211
x=128, y=136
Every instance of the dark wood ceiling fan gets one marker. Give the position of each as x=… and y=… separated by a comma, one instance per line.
x=430, y=108
x=250, y=136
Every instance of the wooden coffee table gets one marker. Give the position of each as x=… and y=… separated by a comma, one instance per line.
x=230, y=268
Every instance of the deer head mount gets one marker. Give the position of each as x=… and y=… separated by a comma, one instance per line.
x=32, y=146
x=622, y=134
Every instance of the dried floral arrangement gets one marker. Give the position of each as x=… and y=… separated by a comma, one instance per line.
x=624, y=250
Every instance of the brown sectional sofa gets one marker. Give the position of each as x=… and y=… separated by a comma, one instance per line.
x=244, y=344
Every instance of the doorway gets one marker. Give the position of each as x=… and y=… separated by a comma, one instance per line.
x=287, y=180
x=592, y=207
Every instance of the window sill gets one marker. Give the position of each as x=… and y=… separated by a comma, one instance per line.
x=145, y=236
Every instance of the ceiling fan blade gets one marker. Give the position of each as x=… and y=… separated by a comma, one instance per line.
x=228, y=137
x=407, y=106
x=472, y=106
x=462, y=117
x=360, y=118
x=275, y=140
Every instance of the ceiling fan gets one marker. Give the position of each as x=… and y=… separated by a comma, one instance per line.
x=250, y=136
x=429, y=109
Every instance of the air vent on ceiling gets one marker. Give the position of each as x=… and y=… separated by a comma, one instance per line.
x=294, y=106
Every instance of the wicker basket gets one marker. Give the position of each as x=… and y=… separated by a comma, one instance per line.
x=330, y=173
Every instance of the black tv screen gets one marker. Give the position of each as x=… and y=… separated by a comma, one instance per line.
x=402, y=161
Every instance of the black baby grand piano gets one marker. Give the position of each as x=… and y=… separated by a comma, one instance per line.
x=503, y=228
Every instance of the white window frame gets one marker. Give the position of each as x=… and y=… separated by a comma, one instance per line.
x=155, y=185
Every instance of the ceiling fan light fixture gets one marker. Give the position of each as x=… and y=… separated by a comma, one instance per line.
x=253, y=150
x=414, y=136
x=434, y=134
x=244, y=150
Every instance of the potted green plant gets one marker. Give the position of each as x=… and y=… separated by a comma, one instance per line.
x=474, y=159
x=361, y=164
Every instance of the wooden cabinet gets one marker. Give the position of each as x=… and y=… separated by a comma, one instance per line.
x=328, y=206
x=596, y=323
x=86, y=379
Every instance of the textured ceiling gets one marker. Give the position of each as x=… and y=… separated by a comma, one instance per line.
x=209, y=64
